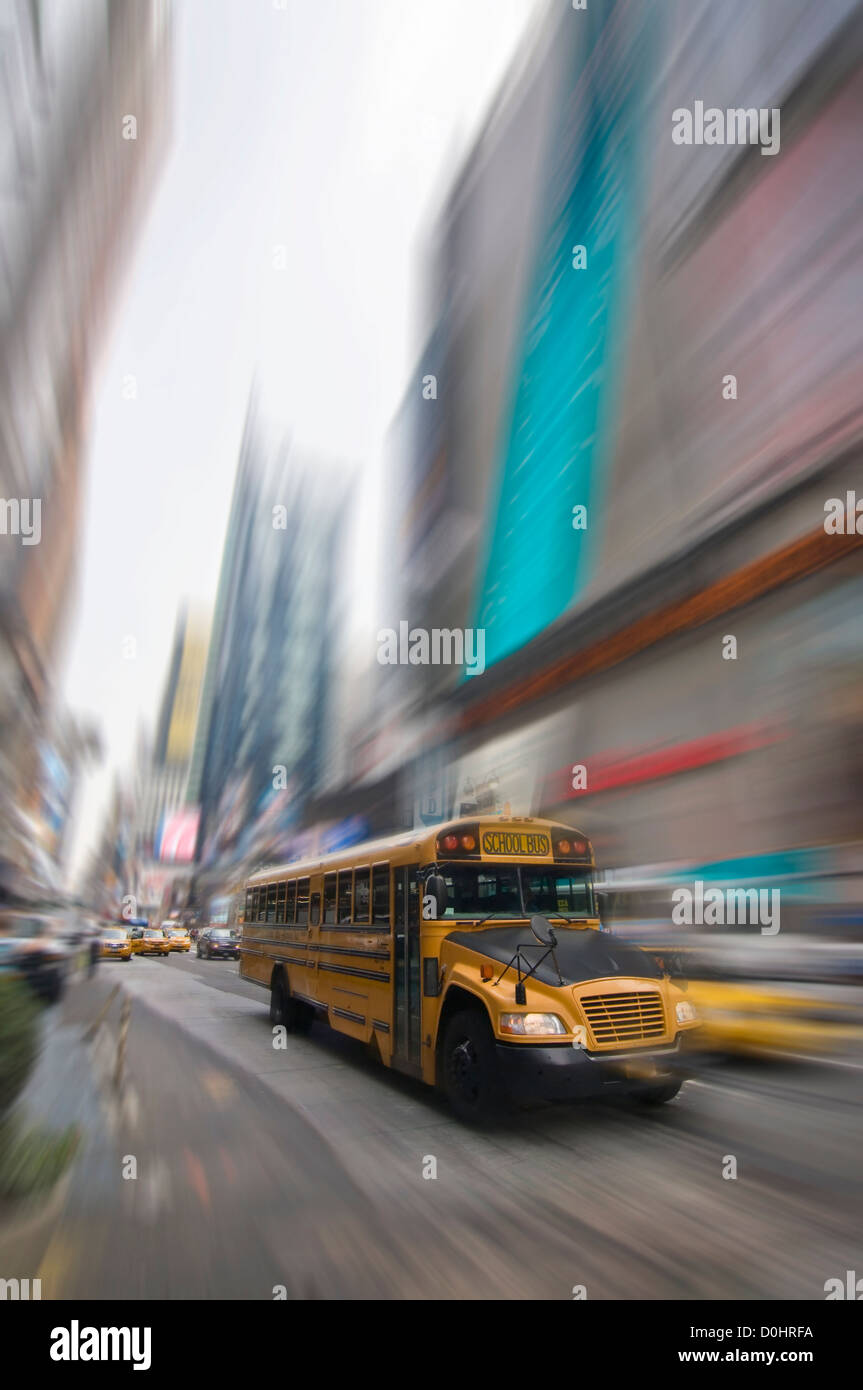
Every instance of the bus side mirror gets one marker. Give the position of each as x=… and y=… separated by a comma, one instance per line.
x=543, y=931
x=435, y=889
x=675, y=964
x=671, y=964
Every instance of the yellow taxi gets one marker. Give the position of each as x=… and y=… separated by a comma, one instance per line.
x=151, y=942
x=755, y=1017
x=115, y=944
x=748, y=1008
x=178, y=937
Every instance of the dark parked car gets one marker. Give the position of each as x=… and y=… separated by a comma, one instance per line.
x=32, y=948
x=221, y=943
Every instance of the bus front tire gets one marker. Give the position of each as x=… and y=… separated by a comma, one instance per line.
x=659, y=1092
x=292, y=1014
x=470, y=1074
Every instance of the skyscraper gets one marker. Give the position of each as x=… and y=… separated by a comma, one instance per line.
x=268, y=725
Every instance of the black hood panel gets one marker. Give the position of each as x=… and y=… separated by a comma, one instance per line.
x=581, y=954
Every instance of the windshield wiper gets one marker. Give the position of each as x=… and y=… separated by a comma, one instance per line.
x=495, y=914
x=526, y=916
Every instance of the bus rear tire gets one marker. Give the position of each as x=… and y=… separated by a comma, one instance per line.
x=469, y=1071
x=292, y=1014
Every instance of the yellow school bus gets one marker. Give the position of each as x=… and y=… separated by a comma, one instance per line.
x=472, y=957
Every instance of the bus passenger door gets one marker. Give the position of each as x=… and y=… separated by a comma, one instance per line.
x=407, y=991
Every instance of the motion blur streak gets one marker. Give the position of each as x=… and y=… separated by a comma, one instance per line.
x=634, y=397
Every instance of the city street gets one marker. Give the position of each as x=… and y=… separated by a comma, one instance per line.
x=431, y=571
x=261, y=1170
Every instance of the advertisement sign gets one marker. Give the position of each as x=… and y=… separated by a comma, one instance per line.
x=506, y=776
x=567, y=372
x=178, y=834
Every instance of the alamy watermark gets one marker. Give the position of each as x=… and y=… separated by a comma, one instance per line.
x=77, y=1343
x=21, y=516
x=733, y=126
x=849, y=1287
x=440, y=646
x=718, y=907
x=843, y=516
x=18, y=1289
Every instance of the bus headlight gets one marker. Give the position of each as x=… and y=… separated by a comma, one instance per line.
x=524, y=1025
x=686, y=1012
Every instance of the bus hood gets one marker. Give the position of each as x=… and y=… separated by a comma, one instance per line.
x=581, y=953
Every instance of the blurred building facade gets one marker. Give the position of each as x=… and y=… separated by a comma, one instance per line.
x=270, y=732
x=165, y=777
x=84, y=111
x=635, y=391
x=605, y=386
x=149, y=835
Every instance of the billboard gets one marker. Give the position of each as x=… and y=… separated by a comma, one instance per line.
x=558, y=438
x=177, y=837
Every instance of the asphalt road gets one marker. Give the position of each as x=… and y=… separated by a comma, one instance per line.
x=302, y=1170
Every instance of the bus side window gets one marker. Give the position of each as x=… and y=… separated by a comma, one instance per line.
x=381, y=895
x=303, y=901
x=315, y=915
x=250, y=898
x=361, y=895
x=271, y=902
x=280, y=902
x=291, y=908
x=345, y=896
x=330, y=898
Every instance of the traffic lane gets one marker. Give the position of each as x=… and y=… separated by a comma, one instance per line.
x=225, y=974
x=206, y=1190
x=640, y=1193
x=220, y=974
x=767, y=1088
x=214, y=1206
x=186, y=1227
x=793, y=1081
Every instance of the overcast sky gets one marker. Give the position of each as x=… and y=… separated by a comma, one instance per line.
x=330, y=128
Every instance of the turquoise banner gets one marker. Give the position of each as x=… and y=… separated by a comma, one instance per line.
x=568, y=377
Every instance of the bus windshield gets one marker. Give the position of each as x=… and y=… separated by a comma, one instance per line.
x=513, y=890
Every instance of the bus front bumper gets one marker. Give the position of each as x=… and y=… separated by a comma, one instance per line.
x=564, y=1072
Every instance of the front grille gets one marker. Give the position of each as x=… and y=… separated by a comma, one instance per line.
x=624, y=1018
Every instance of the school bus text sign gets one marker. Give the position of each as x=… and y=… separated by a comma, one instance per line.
x=528, y=844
